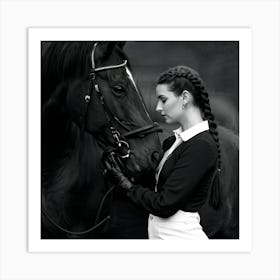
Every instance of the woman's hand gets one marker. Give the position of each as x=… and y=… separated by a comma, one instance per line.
x=114, y=173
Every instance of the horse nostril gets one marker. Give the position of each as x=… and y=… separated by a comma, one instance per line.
x=155, y=157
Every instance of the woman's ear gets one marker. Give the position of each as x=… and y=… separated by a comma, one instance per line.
x=186, y=95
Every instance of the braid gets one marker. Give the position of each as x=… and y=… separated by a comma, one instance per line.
x=204, y=104
x=180, y=78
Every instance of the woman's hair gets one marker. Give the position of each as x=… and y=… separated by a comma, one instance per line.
x=182, y=78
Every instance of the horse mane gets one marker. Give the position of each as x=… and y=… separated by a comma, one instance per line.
x=64, y=60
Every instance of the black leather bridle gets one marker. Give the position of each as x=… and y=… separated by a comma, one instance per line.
x=123, y=148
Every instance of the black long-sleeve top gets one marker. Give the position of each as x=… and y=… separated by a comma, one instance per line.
x=184, y=180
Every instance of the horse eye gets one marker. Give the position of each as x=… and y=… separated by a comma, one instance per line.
x=118, y=90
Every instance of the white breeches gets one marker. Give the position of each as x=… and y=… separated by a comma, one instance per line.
x=181, y=225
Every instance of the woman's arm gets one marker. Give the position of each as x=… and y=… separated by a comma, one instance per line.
x=193, y=164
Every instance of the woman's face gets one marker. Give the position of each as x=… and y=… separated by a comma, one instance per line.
x=169, y=105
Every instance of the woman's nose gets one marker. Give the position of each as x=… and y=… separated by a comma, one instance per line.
x=158, y=107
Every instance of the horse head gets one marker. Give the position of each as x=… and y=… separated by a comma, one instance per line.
x=112, y=109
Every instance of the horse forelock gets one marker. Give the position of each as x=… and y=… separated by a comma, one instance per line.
x=122, y=54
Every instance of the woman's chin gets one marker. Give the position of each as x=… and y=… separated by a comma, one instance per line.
x=167, y=120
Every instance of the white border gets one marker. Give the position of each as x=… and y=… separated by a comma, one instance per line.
x=243, y=35
x=263, y=16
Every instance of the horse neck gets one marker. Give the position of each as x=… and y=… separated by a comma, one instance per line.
x=69, y=154
x=72, y=183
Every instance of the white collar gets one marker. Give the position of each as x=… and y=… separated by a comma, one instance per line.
x=192, y=131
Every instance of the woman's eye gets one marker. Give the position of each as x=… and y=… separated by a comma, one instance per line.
x=118, y=90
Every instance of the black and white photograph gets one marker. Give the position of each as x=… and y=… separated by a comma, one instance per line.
x=140, y=140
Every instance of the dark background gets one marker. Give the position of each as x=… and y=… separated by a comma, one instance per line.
x=216, y=61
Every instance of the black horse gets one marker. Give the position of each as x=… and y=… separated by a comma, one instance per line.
x=90, y=104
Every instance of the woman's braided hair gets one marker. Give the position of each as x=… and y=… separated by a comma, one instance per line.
x=182, y=78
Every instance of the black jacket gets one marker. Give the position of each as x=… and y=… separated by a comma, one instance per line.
x=184, y=179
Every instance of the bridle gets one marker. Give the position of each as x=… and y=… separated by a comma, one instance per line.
x=119, y=139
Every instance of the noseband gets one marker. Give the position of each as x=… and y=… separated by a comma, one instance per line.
x=119, y=139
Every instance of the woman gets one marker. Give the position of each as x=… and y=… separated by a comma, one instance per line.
x=188, y=173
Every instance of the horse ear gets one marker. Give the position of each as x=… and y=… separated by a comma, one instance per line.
x=105, y=48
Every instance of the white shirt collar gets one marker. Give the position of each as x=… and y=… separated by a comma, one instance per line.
x=192, y=131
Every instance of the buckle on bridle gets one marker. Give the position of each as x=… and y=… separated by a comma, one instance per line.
x=125, y=145
x=92, y=74
x=87, y=98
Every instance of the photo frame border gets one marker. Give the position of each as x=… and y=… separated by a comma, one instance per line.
x=243, y=35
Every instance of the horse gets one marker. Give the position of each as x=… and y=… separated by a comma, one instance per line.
x=89, y=110
x=90, y=105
